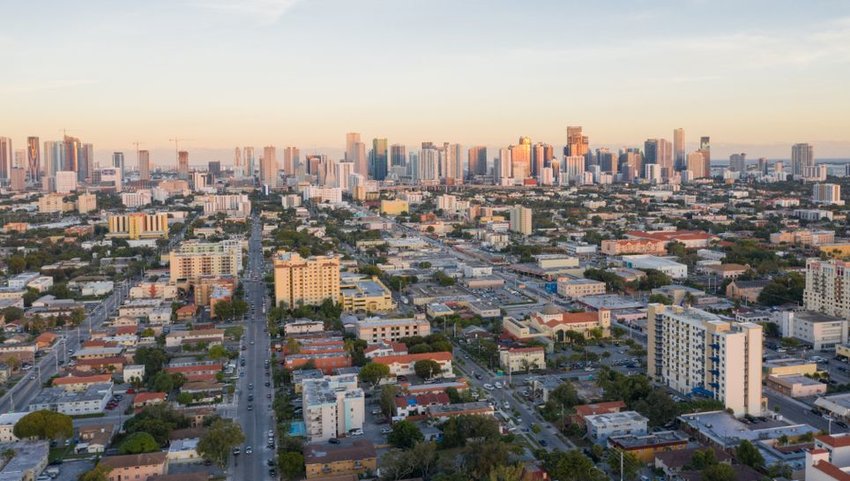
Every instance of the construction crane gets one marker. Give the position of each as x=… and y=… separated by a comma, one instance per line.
x=177, y=141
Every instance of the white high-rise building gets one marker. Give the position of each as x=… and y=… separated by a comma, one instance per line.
x=66, y=181
x=333, y=406
x=694, y=351
x=343, y=172
x=502, y=170
x=429, y=166
x=802, y=157
x=573, y=168
x=828, y=194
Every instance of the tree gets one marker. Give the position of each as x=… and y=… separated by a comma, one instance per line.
x=572, y=466
x=783, y=289
x=153, y=358
x=16, y=264
x=660, y=299
x=97, y=473
x=78, y=315
x=12, y=314
x=701, y=459
x=291, y=465
x=223, y=310
x=44, y=424
x=139, y=443
x=157, y=420
x=460, y=428
x=427, y=368
x=373, y=372
x=631, y=464
x=218, y=352
x=748, y=454
x=404, y=435
x=219, y=439
x=506, y=472
x=658, y=406
x=719, y=472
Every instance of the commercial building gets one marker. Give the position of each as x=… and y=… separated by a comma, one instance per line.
x=86, y=203
x=333, y=406
x=359, y=293
x=828, y=287
x=693, y=351
x=796, y=386
x=138, y=226
x=194, y=259
x=600, y=427
x=310, y=281
x=133, y=200
x=552, y=324
x=522, y=359
x=822, y=331
x=53, y=203
x=376, y=330
x=672, y=268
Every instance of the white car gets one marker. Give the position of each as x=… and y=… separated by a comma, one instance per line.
x=376, y=411
x=498, y=385
x=488, y=387
x=356, y=432
x=386, y=430
x=506, y=405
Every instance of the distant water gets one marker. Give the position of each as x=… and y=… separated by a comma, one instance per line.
x=834, y=166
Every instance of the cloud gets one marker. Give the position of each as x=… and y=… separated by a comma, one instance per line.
x=263, y=11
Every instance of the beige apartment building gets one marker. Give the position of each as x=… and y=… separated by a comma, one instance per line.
x=194, y=259
x=828, y=287
x=376, y=330
x=307, y=281
x=86, y=203
x=138, y=226
x=694, y=351
x=575, y=288
x=522, y=359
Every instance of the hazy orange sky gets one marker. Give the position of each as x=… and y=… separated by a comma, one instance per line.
x=756, y=76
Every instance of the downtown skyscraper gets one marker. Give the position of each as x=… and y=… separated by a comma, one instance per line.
x=6, y=157
x=183, y=165
x=118, y=162
x=33, y=160
x=268, y=167
x=291, y=159
x=476, y=160
x=802, y=158
x=398, y=155
x=679, y=156
x=379, y=159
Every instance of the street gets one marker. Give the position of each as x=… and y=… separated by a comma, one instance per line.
x=20, y=395
x=253, y=398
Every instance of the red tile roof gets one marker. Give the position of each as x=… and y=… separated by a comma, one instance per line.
x=92, y=379
x=411, y=358
x=599, y=408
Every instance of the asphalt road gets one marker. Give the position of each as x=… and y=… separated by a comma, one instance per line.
x=22, y=393
x=256, y=417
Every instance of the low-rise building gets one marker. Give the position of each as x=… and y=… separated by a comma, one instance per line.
x=374, y=330
x=796, y=386
x=646, y=447
x=522, y=359
x=822, y=331
x=402, y=365
x=92, y=400
x=7, y=426
x=359, y=293
x=746, y=290
x=675, y=270
x=444, y=412
x=600, y=427
x=575, y=288
x=28, y=460
x=135, y=466
x=349, y=457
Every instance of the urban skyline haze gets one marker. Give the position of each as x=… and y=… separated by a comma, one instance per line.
x=756, y=77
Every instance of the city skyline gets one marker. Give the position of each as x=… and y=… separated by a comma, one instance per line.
x=245, y=73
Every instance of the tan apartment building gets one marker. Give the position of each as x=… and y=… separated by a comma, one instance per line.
x=376, y=330
x=616, y=247
x=363, y=294
x=193, y=260
x=575, y=288
x=307, y=281
x=522, y=359
x=138, y=226
x=828, y=287
x=694, y=351
x=347, y=458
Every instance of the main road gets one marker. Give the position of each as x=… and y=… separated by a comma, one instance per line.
x=254, y=398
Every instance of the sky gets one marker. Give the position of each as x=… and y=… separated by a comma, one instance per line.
x=755, y=75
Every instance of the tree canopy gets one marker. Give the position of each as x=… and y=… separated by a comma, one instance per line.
x=219, y=439
x=139, y=442
x=44, y=424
